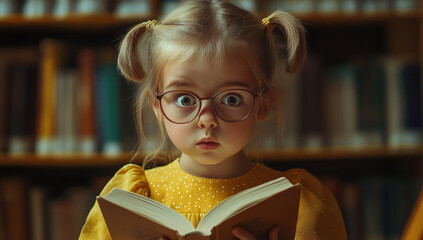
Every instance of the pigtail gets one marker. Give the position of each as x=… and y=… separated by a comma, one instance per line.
x=129, y=61
x=288, y=34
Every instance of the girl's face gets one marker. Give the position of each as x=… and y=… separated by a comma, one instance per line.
x=208, y=140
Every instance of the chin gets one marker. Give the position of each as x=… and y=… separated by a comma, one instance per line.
x=208, y=159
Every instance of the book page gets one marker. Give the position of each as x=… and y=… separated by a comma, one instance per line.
x=240, y=201
x=150, y=209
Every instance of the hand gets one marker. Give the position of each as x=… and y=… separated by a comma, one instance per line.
x=243, y=234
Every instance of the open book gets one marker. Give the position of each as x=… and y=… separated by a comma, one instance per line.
x=131, y=216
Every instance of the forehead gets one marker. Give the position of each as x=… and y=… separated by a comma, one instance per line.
x=206, y=78
x=208, y=64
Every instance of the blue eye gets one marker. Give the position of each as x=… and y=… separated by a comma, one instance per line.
x=232, y=100
x=185, y=100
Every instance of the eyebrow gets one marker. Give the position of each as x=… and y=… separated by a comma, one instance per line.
x=180, y=83
x=185, y=83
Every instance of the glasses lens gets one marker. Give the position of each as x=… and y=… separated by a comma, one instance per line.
x=179, y=106
x=234, y=105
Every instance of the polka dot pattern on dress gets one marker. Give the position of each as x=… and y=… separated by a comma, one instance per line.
x=194, y=196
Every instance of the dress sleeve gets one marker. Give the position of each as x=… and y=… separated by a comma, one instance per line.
x=319, y=216
x=132, y=178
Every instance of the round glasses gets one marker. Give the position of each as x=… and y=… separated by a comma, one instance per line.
x=232, y=105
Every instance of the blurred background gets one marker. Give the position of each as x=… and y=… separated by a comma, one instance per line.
x=353, y=113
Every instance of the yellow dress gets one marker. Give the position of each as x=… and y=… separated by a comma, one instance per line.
x=319, y=215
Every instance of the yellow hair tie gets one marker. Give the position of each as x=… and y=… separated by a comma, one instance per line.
x=268, y=24
x=149, y=25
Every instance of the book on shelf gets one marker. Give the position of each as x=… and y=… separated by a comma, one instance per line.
x=346, y=6
x=370, y=88
x=37, y=212
x=108, y=108
x=4, y=107
x=130, y=8
x=22, y=79
x=132, y=216
x=86, y=88
x=312, y=106
x=57, y=213
x=393, y=100
x=66, y=119
x=411, y=85
x=18, y=81
x=51, y=57
x=14, y=198
x=340, y=106
x=292, y=103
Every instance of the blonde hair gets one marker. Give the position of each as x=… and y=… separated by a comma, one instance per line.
x=211, y=31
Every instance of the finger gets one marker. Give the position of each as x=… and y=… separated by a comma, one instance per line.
x=273, y=233
x=242, y=234
x=163, y=238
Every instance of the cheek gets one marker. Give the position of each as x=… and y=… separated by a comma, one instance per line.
x=178, y=133
x=240, y=133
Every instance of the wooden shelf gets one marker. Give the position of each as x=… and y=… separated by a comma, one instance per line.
x=109, y=20
x=296, y=154
x=358, y=17
x=102, y=21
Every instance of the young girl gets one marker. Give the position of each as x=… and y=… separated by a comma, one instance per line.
x=209, y=71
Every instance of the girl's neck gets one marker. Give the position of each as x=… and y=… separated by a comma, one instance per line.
x=235, y=166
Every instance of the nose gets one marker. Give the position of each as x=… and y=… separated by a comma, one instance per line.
x=207, y=116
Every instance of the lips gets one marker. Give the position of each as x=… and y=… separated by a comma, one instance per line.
x=208, y=144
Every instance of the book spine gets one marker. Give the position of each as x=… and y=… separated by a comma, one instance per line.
x=14, y=197
x=291, y=137
x=87, y=118
x=37, y=200
x=4, y=107
x=370, y=92
x=110, y=108
x=20, y=77
x=71, y=109
x=48, y=99
x=411, y=85
x=340, y=106
x=312, y=110
x=393, y=100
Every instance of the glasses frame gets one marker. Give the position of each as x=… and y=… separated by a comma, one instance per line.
x=201, y=99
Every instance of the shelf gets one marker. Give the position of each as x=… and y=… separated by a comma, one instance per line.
x=102, y=21
x=359, y=17
x=318, y=154
x=110, y=20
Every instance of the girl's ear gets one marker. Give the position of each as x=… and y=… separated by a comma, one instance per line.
x=265, y=105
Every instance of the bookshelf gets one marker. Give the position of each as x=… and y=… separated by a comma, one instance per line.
x=343, y=166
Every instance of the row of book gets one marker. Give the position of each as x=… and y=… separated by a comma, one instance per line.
x=63, y=8
x=40, y=212
x=346, y=6
x=48, y=105
x=374, y=208
x=55, y=99
x=367, y=101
